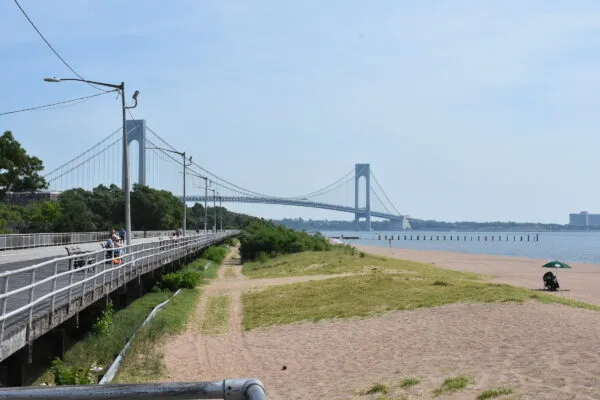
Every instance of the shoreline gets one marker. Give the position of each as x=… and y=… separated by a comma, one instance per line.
x=579, y=283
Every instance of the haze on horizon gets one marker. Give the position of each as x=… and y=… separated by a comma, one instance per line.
x=465, y=110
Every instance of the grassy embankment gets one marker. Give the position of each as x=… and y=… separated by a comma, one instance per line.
x=380, y=284
x=113, y=329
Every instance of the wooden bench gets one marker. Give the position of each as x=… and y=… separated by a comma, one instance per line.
x=80, y=261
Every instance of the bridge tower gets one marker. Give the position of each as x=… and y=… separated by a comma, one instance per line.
x=360, y=171
x=136, y=130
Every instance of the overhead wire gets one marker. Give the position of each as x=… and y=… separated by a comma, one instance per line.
x=80, y=99
x=54, y=50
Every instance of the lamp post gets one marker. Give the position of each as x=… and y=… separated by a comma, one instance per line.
x=185, y=165
x=221, y=216
x=214, y=208
x=205, y=201
x=126, y=183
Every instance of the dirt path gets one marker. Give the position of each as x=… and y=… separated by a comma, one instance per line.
x=195, y=356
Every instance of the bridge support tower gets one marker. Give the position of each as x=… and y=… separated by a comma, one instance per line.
x=360, y=171
x=136, y=130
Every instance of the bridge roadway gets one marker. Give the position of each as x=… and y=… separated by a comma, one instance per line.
x=292, y=202
x=60, y=292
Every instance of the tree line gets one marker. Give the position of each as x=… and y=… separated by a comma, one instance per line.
x=102, y=208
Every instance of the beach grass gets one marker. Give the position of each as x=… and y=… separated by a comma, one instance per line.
x=453, y=384
x=379, y=285
x=343, y=259
x=493, y=393
x=216, y=318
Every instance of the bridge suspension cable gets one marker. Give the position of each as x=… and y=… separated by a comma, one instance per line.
x=46, y=175
x=384, y=194
x=322, y=190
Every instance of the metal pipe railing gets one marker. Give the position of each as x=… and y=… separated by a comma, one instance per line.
x=32, y=240
x=47, y=280
x=230, y=389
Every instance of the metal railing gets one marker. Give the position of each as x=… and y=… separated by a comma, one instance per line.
x=31, y=240
x=39, y=290
x=231, y=389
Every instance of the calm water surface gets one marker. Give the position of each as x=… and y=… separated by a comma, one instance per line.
x=567, y=246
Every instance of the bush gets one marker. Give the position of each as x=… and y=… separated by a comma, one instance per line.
x=184, y=279
x=263, y=239
x=69, y=375
x=104, y=322
x=216, y=254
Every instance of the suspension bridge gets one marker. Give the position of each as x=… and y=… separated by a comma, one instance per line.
x=154, y=163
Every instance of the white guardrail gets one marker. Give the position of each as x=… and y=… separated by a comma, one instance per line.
x=37, y=291
x=30, y=240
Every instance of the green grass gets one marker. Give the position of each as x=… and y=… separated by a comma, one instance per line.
x=216, y=318
x=381, y=285
x=102, y=347
x=379, y=388
x=409, y=382
x=453, y=384
x=143, y=362
x=493, y=393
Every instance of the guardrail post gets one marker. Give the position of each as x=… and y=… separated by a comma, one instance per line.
x=53, y=290
x=70, y=292
x=4, y=301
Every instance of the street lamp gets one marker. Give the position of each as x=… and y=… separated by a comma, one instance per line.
x=126, y=184
x=185, y=165
x=214, y=208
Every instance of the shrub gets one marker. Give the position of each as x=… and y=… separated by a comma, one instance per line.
x=184, y=279
x=104, y=322
x=69, y=375
x=216, y=254
x=262, y=239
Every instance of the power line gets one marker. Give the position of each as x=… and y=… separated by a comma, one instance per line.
x=53, y=50
x=59, y=103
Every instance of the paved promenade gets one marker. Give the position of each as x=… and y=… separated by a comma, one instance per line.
x=15, y=259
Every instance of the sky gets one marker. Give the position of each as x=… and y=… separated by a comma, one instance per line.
x=465, y=110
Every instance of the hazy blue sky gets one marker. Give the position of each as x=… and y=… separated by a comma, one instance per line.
x=466, y=110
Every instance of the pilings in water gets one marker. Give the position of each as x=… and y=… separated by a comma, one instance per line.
x=464, y=238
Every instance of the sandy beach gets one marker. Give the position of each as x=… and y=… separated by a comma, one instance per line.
x=539, y=351
x=582, y=282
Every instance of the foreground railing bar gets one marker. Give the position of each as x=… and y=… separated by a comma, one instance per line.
x=231, y=389
x=82, y=282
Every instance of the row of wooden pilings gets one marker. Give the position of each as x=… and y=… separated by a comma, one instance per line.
x=465, y=238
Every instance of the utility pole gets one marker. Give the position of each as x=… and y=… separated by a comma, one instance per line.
x=215, y=207
x=185, y=165
x=220, y=200
x=124, y=108
x=205, y=201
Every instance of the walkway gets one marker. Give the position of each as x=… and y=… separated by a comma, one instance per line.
x=15, y=259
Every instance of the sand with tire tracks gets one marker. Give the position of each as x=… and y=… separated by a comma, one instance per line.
x=539, y=351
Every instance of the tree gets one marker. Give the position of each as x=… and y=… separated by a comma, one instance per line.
x=19, y=172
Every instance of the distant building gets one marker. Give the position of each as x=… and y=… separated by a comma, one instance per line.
x=584, y=219
x=24, y=198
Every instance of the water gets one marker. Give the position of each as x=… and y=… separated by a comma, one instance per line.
x=566, y=246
